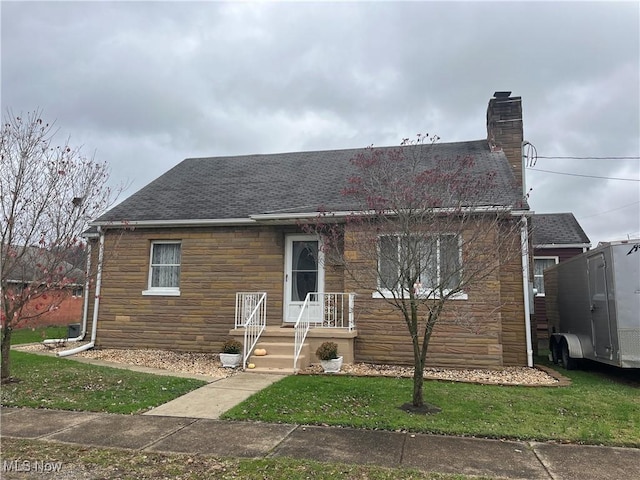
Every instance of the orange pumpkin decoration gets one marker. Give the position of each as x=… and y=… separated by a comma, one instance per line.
x=259, y=352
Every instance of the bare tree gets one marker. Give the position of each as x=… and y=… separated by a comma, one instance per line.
x=48, y=194
x=424, y=231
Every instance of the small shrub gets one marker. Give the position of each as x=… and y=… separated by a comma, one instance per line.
x=327, y=351
x=231, y=346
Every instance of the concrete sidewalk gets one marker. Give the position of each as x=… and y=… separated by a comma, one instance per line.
x=470, y=456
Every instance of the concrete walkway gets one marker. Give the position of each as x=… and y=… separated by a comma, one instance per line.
x=217, y=397
x=433, y=453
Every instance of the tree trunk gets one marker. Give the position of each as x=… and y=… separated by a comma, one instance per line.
x=418, y=383
x=6, y=349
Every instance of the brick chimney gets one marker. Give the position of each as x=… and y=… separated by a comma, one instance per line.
x=504, y=130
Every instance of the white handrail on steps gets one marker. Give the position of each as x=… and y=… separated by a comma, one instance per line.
x=323, y=310
x=301, y=328
x=251, y=314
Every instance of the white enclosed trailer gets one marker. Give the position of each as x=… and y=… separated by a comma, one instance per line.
x=593, y=306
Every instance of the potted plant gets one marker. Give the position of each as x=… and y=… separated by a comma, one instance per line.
x=231, y=353
x=327, y=352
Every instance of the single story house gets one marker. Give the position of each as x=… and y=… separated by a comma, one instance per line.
x=214, y=242
x=556, y=237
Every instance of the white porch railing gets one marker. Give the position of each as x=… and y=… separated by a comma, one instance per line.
x=251, y=314
x=322, y=310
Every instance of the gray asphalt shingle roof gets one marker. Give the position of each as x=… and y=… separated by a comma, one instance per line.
x=29, y=265
x=240, y=186
x=557, y=229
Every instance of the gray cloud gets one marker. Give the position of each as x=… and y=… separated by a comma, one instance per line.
x=147, y=84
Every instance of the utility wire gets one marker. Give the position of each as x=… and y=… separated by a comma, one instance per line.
x=607, y=211
x=592, y=158
x=585, y=176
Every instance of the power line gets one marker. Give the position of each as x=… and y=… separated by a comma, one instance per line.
x=585, y=176
x=607, y=211
x=591, y=158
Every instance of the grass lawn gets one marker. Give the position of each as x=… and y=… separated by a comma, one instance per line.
x=29, y=335
x=90, y=462
x=599, y=407
x=595, y=409
x=51, y=382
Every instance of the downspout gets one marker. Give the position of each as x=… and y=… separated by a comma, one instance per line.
x=524, y=239
x=85, y=306
x=96, y=305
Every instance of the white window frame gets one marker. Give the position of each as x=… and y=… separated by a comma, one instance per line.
x=423, y=291
x=162, y=291
x=556, y=259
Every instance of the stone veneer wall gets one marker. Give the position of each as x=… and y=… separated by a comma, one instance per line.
x=487, y=330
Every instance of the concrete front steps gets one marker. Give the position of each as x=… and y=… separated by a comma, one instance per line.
x=279, y=344
x=279, y=357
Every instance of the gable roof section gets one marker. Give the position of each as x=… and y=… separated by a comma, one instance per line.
x=560, y=229
x=238, y=187
x=28, y=267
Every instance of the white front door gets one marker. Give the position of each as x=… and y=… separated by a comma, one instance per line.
x=303, y=274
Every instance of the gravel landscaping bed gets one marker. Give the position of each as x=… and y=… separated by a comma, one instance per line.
x=209, y=364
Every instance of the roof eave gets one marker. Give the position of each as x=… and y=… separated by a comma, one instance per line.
x=218, y=222
x=562, y=245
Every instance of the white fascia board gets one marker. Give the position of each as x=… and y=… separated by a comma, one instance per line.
x=562, y=245
x=174, y=223
x=342, y=214
x=288, y=217
x=521, y=213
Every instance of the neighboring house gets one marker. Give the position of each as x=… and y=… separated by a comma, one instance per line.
x=56, y=305
x=180, y=249
x=556, y=238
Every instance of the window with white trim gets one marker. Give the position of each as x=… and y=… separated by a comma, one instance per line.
x=437, y=260
x=540, y=264
x=164, y=268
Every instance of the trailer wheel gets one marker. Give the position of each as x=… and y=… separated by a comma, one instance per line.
x=567, y=362
x=554, y=348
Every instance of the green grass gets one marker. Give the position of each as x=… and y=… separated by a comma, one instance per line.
x=33, y=335
x=599, y=407
x=51, y=382
x=127, y=464
x=594, y=409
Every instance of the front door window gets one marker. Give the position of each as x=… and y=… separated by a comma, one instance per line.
x=303, y=274
x=304, y=271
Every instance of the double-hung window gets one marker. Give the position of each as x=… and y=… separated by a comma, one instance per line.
x=540, y=264
x=164, y=268
x=434, y=260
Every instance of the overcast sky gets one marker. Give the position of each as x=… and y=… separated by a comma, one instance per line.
x=145, y=85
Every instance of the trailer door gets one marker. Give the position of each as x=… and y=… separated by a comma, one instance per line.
x=600, y=328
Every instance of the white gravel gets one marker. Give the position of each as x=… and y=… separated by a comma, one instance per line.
x=209, y=364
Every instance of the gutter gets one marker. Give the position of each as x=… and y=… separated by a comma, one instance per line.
x=96, y=305
x=264, y=217
x=85, y=306
x=524, y=239
x=258, y=218
x=173, y=223
x=564, y=245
